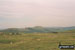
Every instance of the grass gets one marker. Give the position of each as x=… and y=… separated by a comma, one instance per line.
x=38, y=41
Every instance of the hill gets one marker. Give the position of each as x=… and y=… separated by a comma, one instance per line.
x=39, y=29
x=70, y=31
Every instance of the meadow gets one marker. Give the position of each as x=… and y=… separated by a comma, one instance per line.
x=35, y=41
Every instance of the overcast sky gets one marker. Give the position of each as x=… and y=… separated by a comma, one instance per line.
x=28, y=13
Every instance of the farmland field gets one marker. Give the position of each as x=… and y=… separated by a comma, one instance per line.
x=35, y=41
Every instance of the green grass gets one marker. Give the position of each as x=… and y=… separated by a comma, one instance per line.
x=38, y=41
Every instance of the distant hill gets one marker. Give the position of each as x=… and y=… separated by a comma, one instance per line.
x=40, y=29
x=70, y=31
x=13, y=30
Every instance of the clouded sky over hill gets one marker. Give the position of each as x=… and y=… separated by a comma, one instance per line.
x=24, y=13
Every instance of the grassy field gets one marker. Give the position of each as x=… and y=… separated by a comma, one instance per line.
x=38, y=41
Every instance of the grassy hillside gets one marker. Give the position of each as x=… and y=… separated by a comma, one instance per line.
x=71, y=31
x=45, y=41
x=38, y=29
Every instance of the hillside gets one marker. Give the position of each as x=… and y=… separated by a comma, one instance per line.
x=40, y=29
x=70, y=31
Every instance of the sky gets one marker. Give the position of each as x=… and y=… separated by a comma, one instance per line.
x=29, y=13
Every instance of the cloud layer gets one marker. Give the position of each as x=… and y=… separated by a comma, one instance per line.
x=22, y=13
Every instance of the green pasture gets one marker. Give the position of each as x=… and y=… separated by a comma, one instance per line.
x=35, y=41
